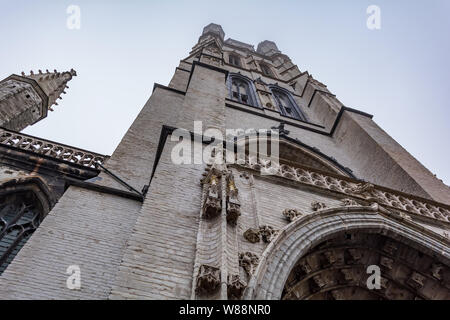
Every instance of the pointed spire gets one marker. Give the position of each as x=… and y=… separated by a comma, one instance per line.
x=53, y=83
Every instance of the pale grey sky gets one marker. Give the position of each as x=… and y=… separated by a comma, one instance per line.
x=399, y=73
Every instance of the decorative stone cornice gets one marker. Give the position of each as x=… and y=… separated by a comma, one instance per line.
x=365, y=192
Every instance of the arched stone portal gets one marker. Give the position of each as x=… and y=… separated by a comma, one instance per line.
x=326, y=255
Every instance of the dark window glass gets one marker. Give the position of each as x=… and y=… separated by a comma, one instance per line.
x=287, y=105
x=241, y=91
x=234, y=60
x=19, y=217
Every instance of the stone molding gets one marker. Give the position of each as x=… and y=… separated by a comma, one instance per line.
x=296, y=238
x=367, y=192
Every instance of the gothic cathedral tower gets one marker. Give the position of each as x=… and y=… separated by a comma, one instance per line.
x=342, y=201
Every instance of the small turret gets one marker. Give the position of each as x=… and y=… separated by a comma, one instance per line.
x=26, y=99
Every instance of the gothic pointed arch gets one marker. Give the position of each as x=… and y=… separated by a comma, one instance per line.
x=326, y=256
x=242, y=89
x=25, y=201
x=286, y=103
x=293, y=153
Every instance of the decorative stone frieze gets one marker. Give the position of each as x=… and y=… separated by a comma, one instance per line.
x=208, y=280
x=355, y=254
x=317, y=206
x=349, y=202
x=292, y=214
x=213, y=202
x=248, y=261
x=365, y=191
x=235, y=287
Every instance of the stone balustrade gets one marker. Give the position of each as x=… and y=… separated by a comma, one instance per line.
x=51, y=149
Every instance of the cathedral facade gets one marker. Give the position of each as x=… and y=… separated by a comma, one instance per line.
x=339, y=211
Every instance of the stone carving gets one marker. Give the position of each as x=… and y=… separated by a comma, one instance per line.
x=235, y=287
x=384, y=283
x=249, y=261
x=212, y=60
x=338, y=295
x=416, y=280
x=436, y=269
x=331, y=257
x=317, y=206
x=213, y=201
x=404, y=216
x=349, y=275
x=233, y=204
x=50, y=149
x=267, y=233
x=349, y=202
x=252, y=235
x=213, y=49
x=305, y=267
x=390, y=247
x=387, y=262
x=365, y=191
x=362, y=188
x=355, y=254
x=292, y=214
x=208, y=280
x=319, y=281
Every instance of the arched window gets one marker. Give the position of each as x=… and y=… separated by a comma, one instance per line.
x=265, y=69
x=23, y=206
x=286, y=104
x=241, y=90
x=234, y=60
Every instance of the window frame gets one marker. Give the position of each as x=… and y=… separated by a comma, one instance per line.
x=252, y=99
x=235, y=57
x=276, y=90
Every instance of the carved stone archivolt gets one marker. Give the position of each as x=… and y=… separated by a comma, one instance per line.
x=264, y=233
x=367, y=192
x=292, y=214
x=235, y=287
x=248, y=261
x=337, y=269
x=208, y=280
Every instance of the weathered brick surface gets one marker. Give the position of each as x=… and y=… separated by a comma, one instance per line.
x=85, y=228
x=159, y=258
